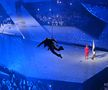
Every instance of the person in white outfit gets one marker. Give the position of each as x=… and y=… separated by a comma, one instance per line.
x=93, y=51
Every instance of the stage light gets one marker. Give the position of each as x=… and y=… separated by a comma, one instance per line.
x=59, y=2
x=50, y=85
x=70, y=4
x=38, y=9
x=57, y=15
x=50, y=9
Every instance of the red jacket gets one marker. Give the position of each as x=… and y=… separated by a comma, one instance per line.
x=86, y=50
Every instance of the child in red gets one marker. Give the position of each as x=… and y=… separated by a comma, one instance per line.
x=86, y=52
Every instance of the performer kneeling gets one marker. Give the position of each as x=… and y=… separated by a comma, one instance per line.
x=94, y=54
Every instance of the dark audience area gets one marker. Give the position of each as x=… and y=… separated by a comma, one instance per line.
x=11, y=80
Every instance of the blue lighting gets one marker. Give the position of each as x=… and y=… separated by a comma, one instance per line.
x=73, y=23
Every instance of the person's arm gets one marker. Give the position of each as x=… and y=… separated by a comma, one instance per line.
x=40, y=44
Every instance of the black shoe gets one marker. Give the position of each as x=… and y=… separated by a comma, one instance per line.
x=61, y=48
x=60, y=56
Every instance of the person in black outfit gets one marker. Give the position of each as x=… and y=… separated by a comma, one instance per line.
x=50, y=43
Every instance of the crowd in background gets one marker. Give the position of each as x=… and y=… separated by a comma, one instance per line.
x=61, y=14
x=11, y=80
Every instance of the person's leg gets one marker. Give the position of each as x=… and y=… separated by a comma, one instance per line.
x=55, y=48
x=94, y=55
x=86, y=56
x=58, y=49
x=61, y=48
x=52, y=50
